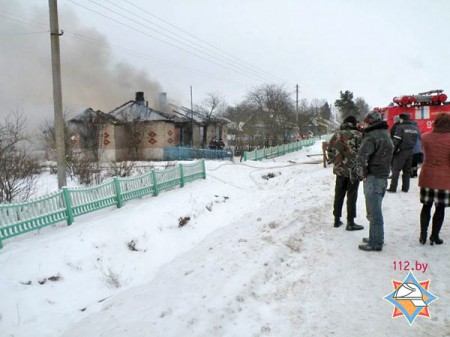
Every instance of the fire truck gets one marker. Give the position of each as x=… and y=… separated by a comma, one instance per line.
x=422, y=108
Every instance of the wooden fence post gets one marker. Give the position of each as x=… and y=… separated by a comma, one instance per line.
x=324, y=152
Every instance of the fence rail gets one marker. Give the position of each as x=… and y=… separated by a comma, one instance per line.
x=276, y=151
x=187, y=153
x=68, y=203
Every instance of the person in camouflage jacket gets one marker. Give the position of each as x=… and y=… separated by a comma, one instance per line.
x=342, y=150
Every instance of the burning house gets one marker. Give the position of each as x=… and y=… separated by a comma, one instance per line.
x=135, y=131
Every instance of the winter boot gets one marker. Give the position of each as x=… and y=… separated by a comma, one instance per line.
x=423, y=232
x=368, y=248
x=352, y=226
x=424, y=221
x=434, y=238
x=423, y=237
x=337, y=222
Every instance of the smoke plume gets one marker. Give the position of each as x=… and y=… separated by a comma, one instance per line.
x=90, y=75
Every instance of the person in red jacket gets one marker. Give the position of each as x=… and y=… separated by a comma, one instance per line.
x=434, y=178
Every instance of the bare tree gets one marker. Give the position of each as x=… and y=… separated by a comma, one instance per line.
x=315, y=116
x=275, y=113
x=89, y=130
x=12, y=132
x=48, y=138
x=213, y=105
x=18, y=174
x=134, y=134
x=18, y=169
x=86, y=131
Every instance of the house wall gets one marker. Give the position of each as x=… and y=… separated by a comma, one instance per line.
x=217, y=130
x=156, y=137
x=107, y=143
x=160, y=135
x=197, y=136
x=107, y=151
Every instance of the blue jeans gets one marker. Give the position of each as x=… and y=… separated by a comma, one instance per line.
x=374, y=190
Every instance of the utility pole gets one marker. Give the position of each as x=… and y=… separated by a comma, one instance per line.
x=57, y=94
x=192, y=121
x=296, y=103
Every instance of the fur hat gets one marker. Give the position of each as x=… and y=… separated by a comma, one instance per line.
x=442, y=122
x=350, y=119
x=373, y=117
x=404, y=116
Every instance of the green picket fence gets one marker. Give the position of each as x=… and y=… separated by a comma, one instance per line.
x=276, y=151
x=65, y=205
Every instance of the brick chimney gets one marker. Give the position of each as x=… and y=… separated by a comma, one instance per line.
x=140, y=98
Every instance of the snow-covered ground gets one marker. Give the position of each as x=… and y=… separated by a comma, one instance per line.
x=258, y=257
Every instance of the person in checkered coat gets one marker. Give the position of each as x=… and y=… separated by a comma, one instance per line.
x=434, y=178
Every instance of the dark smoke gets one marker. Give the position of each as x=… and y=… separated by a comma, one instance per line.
x=90, y=76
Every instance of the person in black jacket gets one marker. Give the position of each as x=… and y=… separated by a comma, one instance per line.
x=406, y=135
x=394, y=126
x=373, y=163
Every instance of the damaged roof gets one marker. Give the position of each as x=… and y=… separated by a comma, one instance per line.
x=96, y=116
x=138, y=111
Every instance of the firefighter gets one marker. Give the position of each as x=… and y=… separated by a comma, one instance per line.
x=394, y=126
x=405, y=137
x=213, y=144
x=220, y=144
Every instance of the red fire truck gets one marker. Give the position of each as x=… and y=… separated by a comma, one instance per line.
x=422, y=108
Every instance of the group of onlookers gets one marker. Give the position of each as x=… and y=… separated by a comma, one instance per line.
x=216, y=144
x=371, y=154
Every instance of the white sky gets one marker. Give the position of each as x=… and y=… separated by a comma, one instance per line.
x=376, y=49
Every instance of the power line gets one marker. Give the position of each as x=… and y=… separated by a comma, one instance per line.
x=24, y=34
x=127, y=51
x=16, y=18
x=208, y=56
x=145, y=56
x=245, y=64
x=161, y=40
x=214, y=54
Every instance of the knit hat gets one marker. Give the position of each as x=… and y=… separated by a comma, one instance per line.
x=404, y=116
x=350, y=119
x=373, y=117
